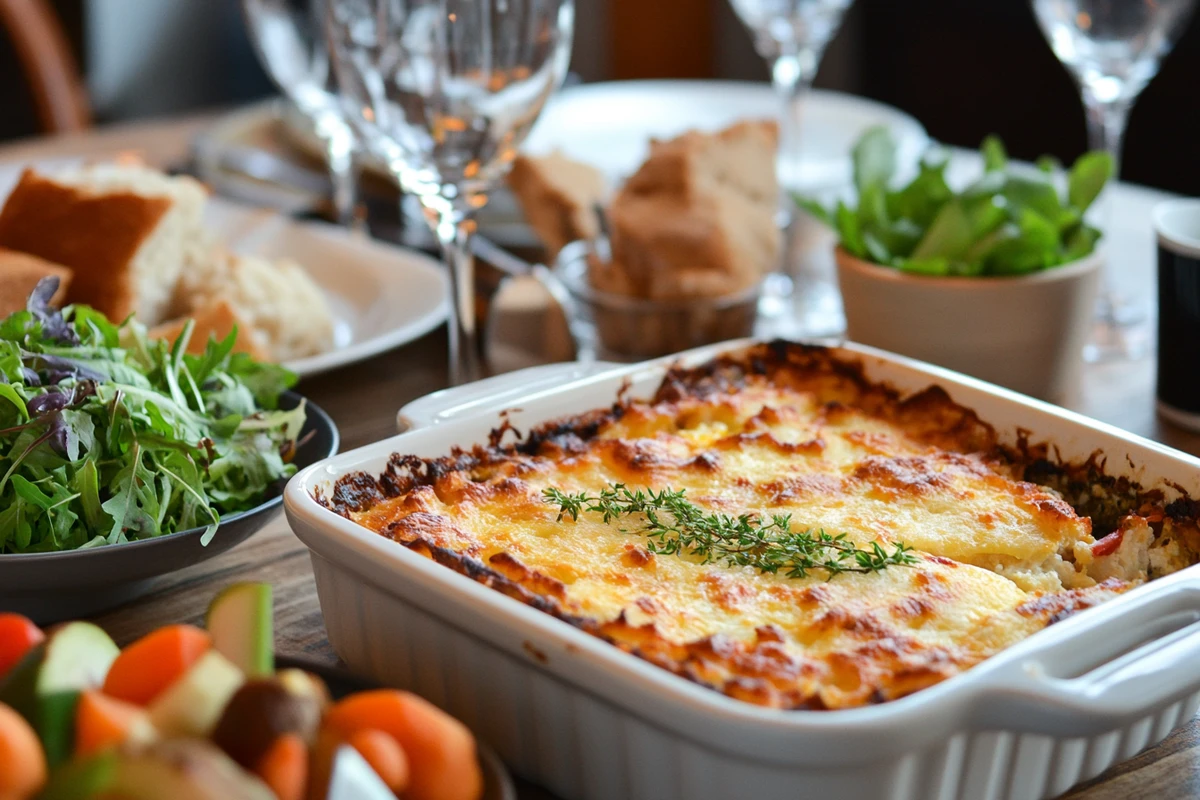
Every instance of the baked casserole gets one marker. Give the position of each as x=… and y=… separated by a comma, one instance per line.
x=991, y=543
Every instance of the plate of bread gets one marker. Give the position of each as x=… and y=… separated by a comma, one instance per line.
x=127, y=239
x=610, y=125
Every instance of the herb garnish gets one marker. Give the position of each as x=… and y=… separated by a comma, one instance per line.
x=676, y=526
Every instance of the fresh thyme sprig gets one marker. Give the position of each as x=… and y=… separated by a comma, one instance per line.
x=676, y=526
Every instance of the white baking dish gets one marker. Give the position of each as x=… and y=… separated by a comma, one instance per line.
x=589, y=721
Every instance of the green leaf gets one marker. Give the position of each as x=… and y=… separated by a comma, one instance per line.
x=87, y=484
x=874, y=158
x=1088, y=176
x=81, y=432
x=1049, y=165
x=948, y=236
x=9, y=392
x=995, y=158
x=920, y=200
x=924, y=266
x=1080, y=242
x=1037, y=231
x=1028, y=192
x=876, y=249
x=30, y=493
x=849, y=230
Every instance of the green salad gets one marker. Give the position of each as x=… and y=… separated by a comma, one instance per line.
x=108, y=436
x=1008, y=222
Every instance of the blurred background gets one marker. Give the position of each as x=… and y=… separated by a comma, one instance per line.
x=964, y=68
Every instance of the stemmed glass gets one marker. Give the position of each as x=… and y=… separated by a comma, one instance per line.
x=289, y=37
x=448, y=90
x=1113, y=49
x=792, y=35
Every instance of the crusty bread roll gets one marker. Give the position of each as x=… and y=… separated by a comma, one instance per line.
x=283, y=309
x=20, y=273
x=698, y=218
x=559, y=198
x=126, y=232
x=215, y=320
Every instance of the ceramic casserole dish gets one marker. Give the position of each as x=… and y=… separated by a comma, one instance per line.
x=587, y=720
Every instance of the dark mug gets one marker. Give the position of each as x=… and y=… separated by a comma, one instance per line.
x=1177, y=225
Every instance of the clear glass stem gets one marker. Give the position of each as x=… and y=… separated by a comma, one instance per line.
x=792, y=75
x=341, y=155
x=811, y=305
x=454, y=229
x=1106, y=121
x=1106, y=126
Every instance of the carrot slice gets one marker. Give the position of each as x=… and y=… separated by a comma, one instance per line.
x=102, y=722
x=284, y=767
x=18, y=635
x=154, y=662
x=440, y=749
x=22, y=762
x=385, y=756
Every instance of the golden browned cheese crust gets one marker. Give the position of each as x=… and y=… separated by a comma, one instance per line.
x=775, y=429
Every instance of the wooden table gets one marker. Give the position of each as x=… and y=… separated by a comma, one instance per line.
x=363, y=400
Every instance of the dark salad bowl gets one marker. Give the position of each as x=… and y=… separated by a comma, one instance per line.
x=48, y=587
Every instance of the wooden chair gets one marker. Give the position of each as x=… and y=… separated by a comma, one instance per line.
x=50, y=67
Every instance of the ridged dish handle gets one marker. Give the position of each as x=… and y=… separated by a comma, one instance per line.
x=493, y=394
x=1108, y=671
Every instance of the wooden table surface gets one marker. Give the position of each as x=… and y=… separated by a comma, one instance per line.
x=363, y=400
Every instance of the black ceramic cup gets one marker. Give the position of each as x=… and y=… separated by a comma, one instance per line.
x=1177, y=225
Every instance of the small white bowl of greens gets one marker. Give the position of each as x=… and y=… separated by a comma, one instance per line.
x=996, y=279
x=123, y=458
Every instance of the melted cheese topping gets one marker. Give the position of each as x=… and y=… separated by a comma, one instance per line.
x=997, y=556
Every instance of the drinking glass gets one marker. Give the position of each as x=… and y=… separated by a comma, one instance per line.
x=792, y=35
x=1113, y=49
x=289, y=37
x=448, y=90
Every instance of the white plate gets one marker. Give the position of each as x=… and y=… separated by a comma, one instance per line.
x=609, y=125
x=381, y=296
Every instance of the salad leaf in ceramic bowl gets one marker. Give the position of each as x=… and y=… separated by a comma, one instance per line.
x=1009, y=221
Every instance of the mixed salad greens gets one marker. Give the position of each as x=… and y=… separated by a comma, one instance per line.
x=108, y=436
x=1008, y=222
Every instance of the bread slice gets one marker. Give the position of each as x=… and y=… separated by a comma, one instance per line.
x=698, y=219
x=215, y=320
x=20, y=273
x=559, y=198
x=126, y=231
x=282, y=307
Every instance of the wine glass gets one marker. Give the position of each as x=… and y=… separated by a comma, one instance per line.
x=448, y=90
x=289, y=37
x=1113, y=49
x=792, y=35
